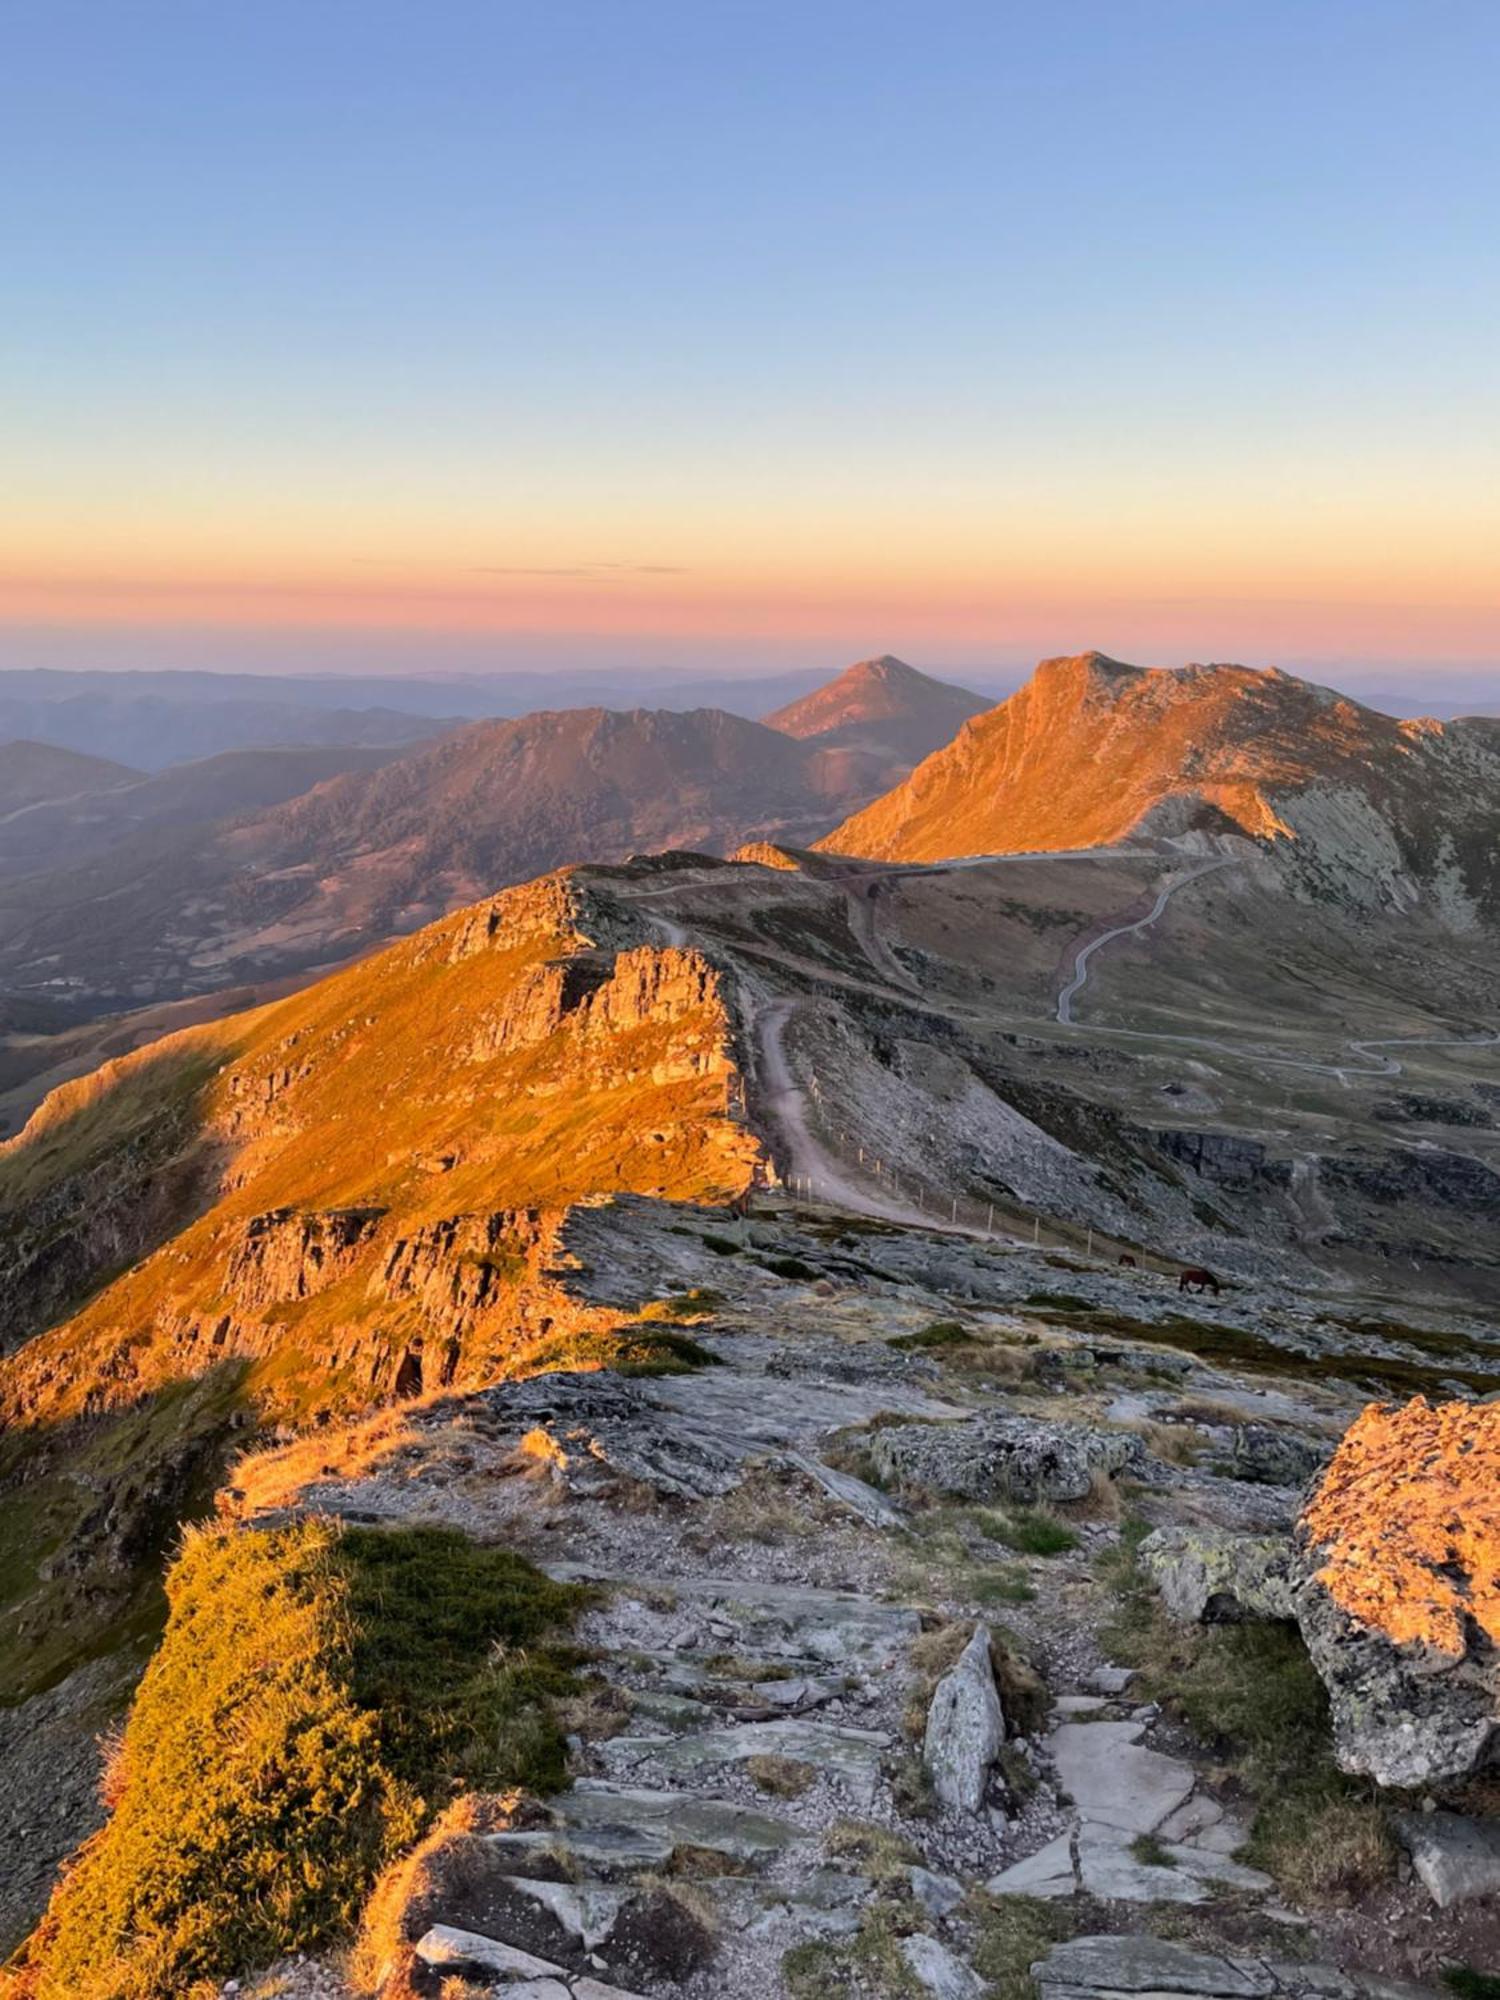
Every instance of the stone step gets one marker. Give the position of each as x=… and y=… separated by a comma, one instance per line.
x=445, y=1948
x=617, y=1831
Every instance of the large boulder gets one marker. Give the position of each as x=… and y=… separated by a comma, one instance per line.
x=1266, y=1455
x=1021, y=1459
x=965, y=1727
x=1397, y=1591
x=1211, y=1576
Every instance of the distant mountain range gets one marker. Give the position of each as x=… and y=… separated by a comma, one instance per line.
x=58, y=807
x=121, y=889
x=288, y=871
x=151, y=719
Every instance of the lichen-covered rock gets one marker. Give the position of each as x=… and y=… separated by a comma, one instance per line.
x=1211, y=1576
x=965, y=1727
x=1397, y=1590
x=1269, y=1456
x=1023, y=1459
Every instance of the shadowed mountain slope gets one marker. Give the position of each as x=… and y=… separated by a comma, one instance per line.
x=110, y=803
x=351, y=861
x=32, y=773
x=883, y=708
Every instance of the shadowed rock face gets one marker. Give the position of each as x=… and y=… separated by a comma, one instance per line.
x=1398, y=1595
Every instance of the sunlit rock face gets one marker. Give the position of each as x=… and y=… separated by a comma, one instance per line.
x=1398, y=1590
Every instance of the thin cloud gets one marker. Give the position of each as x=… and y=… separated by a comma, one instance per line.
x=586, y=571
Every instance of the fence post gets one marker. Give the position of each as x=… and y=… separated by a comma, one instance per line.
x=1036, y=1229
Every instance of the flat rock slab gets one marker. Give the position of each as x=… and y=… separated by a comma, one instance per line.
x=1151, y=1965
x=1453, y=1858
x=1048, y=1873
x=1114, y=1968
x=1113, y=1780
x=1109, y=1870
x=1101, y=1864
x=760, y=1620
x=619, y=1831
x=851, y=1757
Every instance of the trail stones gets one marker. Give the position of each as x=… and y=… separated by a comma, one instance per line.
x=1150, y=1965
x=1021, y=1459
x=1113, y=1779
x=1084, y=1967
x=1112, y=1871
x=1209, y=1576
x=965, y=1727
x=938, y=1972
x=1454, y=1858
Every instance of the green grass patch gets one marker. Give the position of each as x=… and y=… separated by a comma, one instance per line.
x=1006, y=1585
x=700, y=1303
x=317, y=1692
x=1471, y=1985
x=1151, y=1852
x=1252, y=1695
x=1030, y=1531
x=1013, y=1933
x=722, y=1246
x=790, y=1267
x=941, y=1333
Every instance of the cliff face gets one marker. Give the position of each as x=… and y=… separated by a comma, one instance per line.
x=359, y=1174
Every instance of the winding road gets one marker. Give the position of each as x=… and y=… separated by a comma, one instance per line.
x=1081, y=964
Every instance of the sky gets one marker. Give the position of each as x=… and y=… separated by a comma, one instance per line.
x=573, y=333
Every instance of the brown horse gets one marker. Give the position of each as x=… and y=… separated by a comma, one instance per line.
x=1197, y=1279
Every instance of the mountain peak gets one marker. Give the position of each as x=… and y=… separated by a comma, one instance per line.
x=880, y=704
x=1092, y=751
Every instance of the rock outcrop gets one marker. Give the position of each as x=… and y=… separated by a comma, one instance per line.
x=284, y=1255
x=1398, y=1593
x=1210, y=1576
x=1023, y=1459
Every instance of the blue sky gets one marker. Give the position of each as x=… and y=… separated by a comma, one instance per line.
x=727, y=332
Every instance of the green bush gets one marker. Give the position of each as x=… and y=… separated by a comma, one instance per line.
x=315, y=1690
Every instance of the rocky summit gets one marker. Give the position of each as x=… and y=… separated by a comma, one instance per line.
x=813, y=1425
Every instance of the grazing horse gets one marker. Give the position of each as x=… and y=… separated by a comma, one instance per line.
x=1127, y=1262
x=1198, y=1280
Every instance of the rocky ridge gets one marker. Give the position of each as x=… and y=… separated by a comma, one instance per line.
x=803, y=1727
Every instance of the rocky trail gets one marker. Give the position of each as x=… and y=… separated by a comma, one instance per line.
x=849, y=1722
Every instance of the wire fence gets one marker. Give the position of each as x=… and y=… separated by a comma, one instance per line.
x=902, y=1189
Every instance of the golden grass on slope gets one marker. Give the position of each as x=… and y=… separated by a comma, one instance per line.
x=387, y=1087
x=317, y=1691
